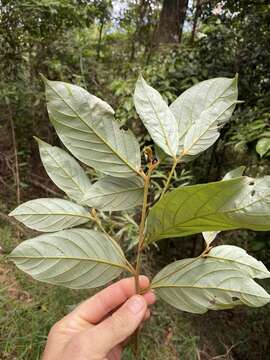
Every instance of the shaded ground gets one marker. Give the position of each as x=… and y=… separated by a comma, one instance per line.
x=28, y=310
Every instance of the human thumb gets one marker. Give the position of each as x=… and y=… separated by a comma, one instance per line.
x=117, y=327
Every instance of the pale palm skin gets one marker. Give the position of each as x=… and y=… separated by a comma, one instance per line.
x=95, y=330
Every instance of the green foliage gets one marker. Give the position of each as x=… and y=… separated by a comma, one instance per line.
x=225, y=205
x=88, y=44
x=221, y=277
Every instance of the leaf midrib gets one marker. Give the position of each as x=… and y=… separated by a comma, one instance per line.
x=221, y=96
x=238, y=262
x=160, y=122
x=122, y=266
x=207, y=288
x=213, y=213
x=54, y=214
x=186, y=151
x=96, y=133
x=69, y=176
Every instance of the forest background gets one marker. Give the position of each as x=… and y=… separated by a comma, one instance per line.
x=103, y=46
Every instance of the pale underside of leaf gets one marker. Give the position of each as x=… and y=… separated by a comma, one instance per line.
x=238, y=172
x=157, y=117
x=209, y=236
x=76, y=258
x=240, y=259
x=50, y=214
x=201, y=284
x=201, y=110
x=86, y=126
x=114, y=194
x=64, y=171
x=225, y=205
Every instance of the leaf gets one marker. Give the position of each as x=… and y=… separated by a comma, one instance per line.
x=157, y=117
x=263, y=146
x=200, y=112
x=114, y=194
x=86, y=126
x=224, y=205
x=76, y=258
x=50, y=215
x=209, y=236
x=201, y=284
x=238, y=172
x=64, y=170
x=240, y=259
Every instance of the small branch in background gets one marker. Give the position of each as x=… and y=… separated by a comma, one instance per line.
x=100, y=38
x=8, y=219
x=14, y=143
x=44, y=187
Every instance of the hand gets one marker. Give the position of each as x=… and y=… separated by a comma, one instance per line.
x=96, y=329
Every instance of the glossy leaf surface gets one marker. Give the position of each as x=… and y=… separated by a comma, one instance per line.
x=224, y=205
x=157, y=117
x=49, y=214
x=76, y=258
x=64, y=170
x=86, y=126
x=114, y=194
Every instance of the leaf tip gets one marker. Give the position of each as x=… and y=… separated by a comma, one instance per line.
x=12, y=213
x=45, y=80
x=38, y=140
x=141, y=79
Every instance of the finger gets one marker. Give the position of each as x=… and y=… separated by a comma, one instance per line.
x=116, y=328
x=97, y=307
x=147, y=315
x=150, y=297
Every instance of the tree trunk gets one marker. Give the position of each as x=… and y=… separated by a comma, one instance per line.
x=171, y=21
x=197, y=15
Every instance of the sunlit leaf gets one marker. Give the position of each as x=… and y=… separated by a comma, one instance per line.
x=209, y=236
x=157, y=117
x=224, y=205
x=76, y=258
x=48, y=214
x=86, y=126
x=201, y=284
x=201, y=111
x=113, y=194
x=64, y=170
x=263, y=146
x=238, y=172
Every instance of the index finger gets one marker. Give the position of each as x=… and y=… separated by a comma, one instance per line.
x=97, y=307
